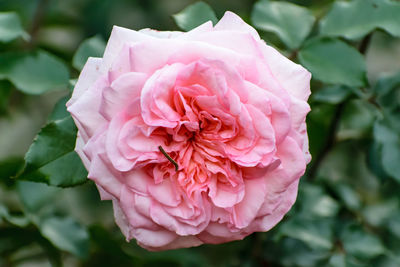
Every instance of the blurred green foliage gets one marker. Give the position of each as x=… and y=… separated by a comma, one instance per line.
x=348, y=207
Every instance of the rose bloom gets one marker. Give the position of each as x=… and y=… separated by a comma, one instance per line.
x=196, y=137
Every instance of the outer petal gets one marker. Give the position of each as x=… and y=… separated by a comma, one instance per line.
x=119, y=37
x=85, y=109
x=232, y=22
x=293, y=77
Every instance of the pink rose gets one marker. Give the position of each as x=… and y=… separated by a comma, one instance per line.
x=196, y=137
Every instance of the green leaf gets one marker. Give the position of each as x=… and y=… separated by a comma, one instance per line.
x=292, y=23
x=387, y=91
x=376, y=214
x=334, y=94
x=389, y=140
x=334, y=62
x=195, y=15
x=60, y=109
x=34, y=72
x=315, y=202
x=315, y=233
x=337, y=260
x=361, y=244
x=111, y=252
x=10, y=27
x=355, y=19
x=394, y=224
x=66, y=234
x=358, y=117
x=293, y=252
x=34, y=196
x=52, y=159
x=92, y=47
x=348, y=196
x=5, y=92
x=10, y=167
x=20, y=220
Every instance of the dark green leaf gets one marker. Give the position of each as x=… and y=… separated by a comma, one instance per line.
x=293, y=252
x=318, y=123
x=292, y=23
x=333, y=61
x=194, y=15
x=110, y=251
x=355, y=19
x=92, y=47
x=5, y=92
x=34, y=73
x=60, y=110
x=66, y=234
x=50, y=157
x=10, y=27
x=10, y=167
x=360, y=243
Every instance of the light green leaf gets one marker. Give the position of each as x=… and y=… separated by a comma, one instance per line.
x=34, y=72
x=377, y=214
x=92, y=47
x=195, y=15
x=361, y=244
x=315, y=233
x=34, y=196
x=10, y=27
x=337, y=260
x=17, y=220
x=292, y=23
x=355, y=19
x=387, y=91
x=66, y=234
x=315, y=202
x=389, y=140
x=357, y=120
x=349, y=196
x=52, y=159
x=334, y=62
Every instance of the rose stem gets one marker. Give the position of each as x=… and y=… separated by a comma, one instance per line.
x=169, y=158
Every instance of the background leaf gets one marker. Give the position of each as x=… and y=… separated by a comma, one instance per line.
x=194, y=15
x=334, y=94
x=292, y=23
x=334, y=62
x=389, y=141
x=92, y=47
x=354, y=19
x=50, y=157
x=66, y=234
x=361, y=244
x=10, y=27
x=34, y=72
